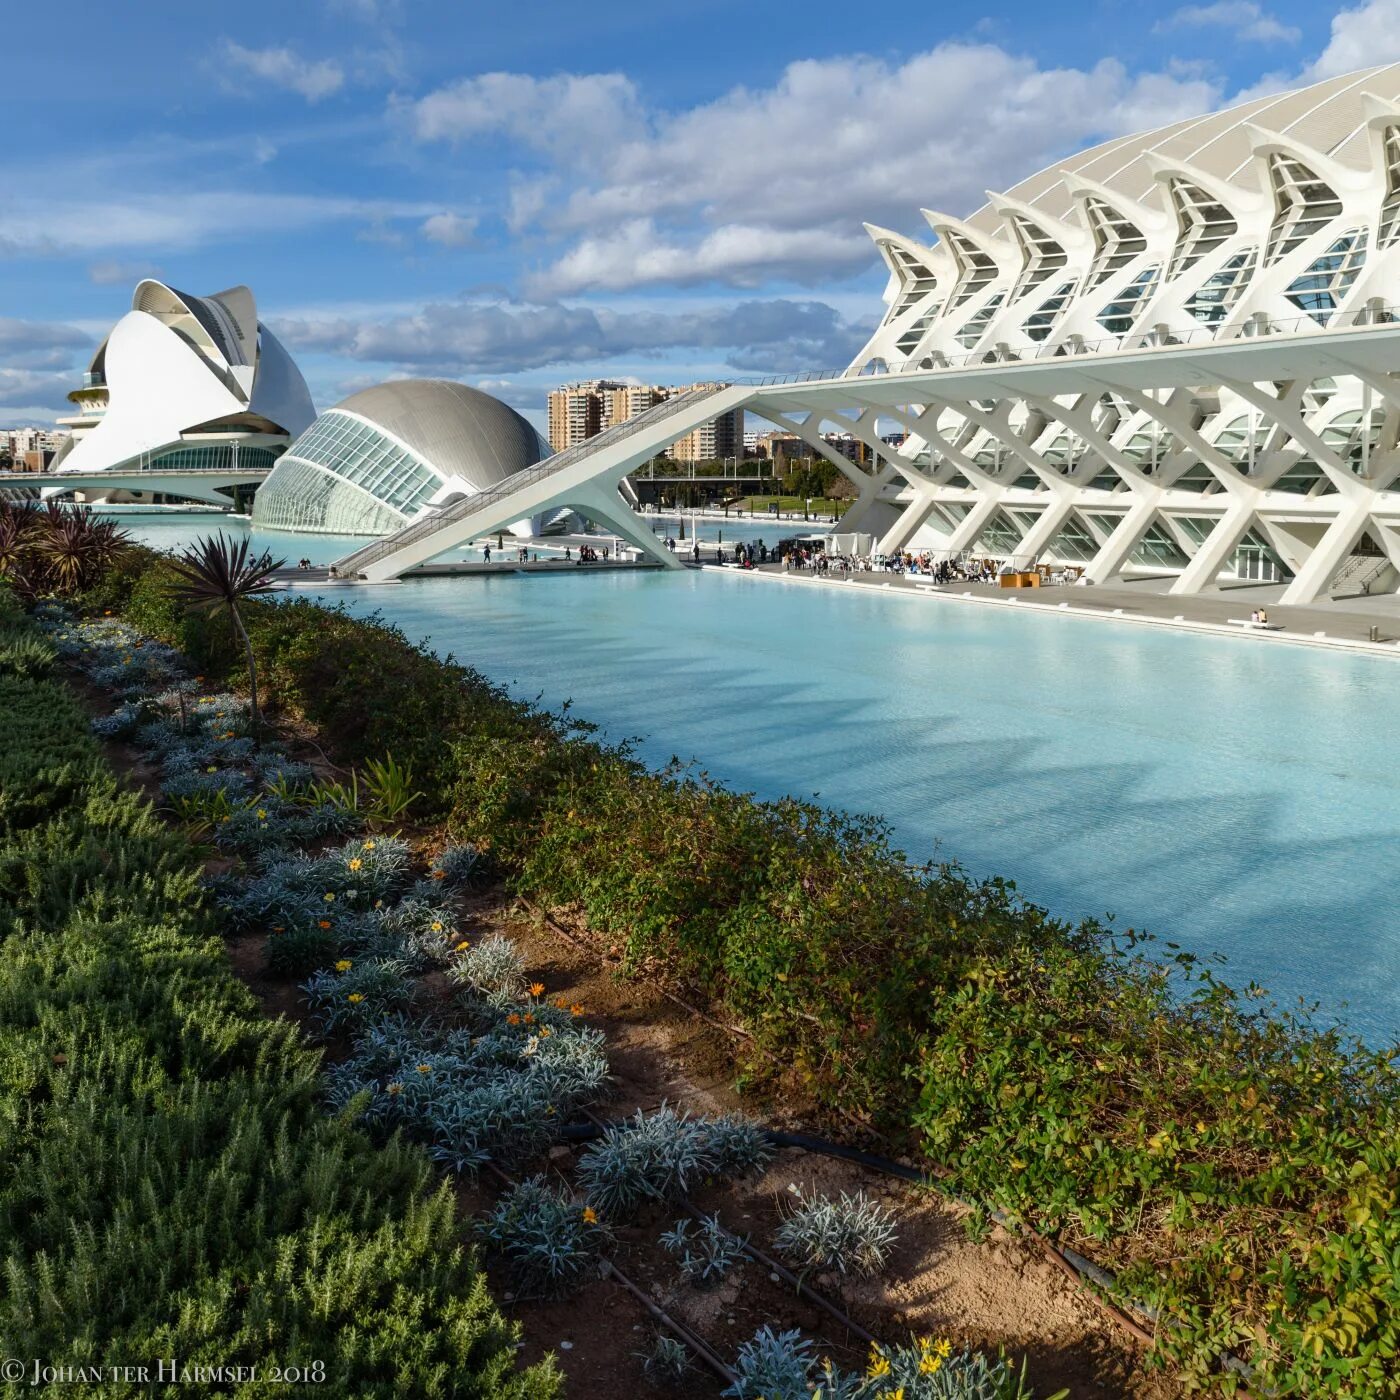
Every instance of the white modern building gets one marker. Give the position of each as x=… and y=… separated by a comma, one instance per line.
x=1174, y=355
x=386, y=455
x=185, y=384
x=1275, y=220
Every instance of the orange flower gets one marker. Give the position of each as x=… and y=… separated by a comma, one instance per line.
x=536, y=989
x=576, y=1010
x=590, y=1216
x=544, y=1031
x=439, y=874
x=324, y=923
x=529, y=1019
x=512, y=1019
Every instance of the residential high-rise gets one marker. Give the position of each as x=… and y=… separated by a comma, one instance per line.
x=579, y=411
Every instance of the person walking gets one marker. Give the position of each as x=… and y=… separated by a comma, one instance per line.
x=486, y=553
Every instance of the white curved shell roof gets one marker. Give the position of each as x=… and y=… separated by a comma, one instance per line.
x=1329, y=116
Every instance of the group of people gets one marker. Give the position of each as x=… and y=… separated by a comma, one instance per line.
x=588, y=555
x=935, y=568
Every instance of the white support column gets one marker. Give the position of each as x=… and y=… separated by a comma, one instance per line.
x=592, y=501
x=1312, y=579
x=1109, y=561
x=972, y=524
x=1215, y=549
x=1045, y=529
x=911, y=518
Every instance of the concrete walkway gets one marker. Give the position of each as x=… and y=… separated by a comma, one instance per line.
x=1343, y=624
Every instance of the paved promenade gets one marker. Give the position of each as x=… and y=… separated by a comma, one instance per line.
x=1346, y=624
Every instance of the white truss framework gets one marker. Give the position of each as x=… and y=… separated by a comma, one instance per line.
x=1278, y=219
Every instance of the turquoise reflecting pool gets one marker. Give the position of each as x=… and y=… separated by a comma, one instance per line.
x=1231, y=797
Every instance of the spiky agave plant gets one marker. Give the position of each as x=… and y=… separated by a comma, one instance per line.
x=74, y=549
x=217, y=573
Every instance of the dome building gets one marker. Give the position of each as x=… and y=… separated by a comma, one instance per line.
x=385, y=455
x=186, y=383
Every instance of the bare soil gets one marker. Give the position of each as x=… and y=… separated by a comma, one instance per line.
x=995, y=1293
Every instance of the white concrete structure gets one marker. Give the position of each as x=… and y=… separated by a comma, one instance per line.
x=1277, y=219
x=186, y=383
x=1175, y=354
x=386, y=455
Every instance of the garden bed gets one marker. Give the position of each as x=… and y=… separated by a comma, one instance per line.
x=1237, y=1167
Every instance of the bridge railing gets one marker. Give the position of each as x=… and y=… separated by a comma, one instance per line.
x=428, y=525
x=1259, y=325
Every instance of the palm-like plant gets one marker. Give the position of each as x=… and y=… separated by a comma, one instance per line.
x=75, y=549
x=217, y=573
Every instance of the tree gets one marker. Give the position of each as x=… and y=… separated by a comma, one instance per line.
x=216, y=573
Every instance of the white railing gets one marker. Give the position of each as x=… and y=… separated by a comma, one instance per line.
x=430, y=524
x=1368, y=318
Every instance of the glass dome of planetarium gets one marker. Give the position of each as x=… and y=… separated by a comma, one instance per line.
x=383, y=456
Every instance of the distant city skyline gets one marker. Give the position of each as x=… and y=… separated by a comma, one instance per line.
x=529, y=197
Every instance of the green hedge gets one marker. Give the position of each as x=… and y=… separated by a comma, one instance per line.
x=169, y=1184
x=1239, y=1169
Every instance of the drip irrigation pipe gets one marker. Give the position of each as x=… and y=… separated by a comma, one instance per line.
x=1074, y=1265
x=695, y=1343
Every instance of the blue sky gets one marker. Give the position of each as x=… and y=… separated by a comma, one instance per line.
x=524, y=193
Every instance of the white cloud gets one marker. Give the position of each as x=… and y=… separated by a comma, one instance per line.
x=34, y=391
x=567, y=115
x=775, y=181
x=496, y=337
x=312, y=79
x=1243, y=18
x=112, y=272
x=48, y=224
x=636, y=255
x=449, y=230
x=1361, y=38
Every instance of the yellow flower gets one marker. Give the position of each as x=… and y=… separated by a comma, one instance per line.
x=328, y=897
x=356, y=863
x=437, y=925
x=425, y=1069
x=536, y=989
x=368, y=846
x=463, y=946
x=262, y=815
x=929, y=1364
x=944, y=1348
x=211, y=769
x=879, y=1363
x=590, y=1216
x=544, y=1031
x=355, y=998
x=344, y=965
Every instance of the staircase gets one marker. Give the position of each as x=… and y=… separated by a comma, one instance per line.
x=1358, y=575
x=455, y=519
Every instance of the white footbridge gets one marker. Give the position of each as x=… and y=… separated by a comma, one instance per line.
x=587, y=478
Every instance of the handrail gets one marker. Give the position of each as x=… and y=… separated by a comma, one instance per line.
x=429, y=524
x=1253, y=328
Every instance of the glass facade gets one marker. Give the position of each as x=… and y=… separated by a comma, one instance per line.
x=213, y=456
x=345, y=477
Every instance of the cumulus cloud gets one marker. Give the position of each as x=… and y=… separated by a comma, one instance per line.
x=112, y=272
x=636, y=254
x=449, y=230
x=40, y=394
x=1242, y=18
x=566, y=115
x=831, y=142
x=312, y=79
x=1361, y=38
x=496, y=337
x=47, y=223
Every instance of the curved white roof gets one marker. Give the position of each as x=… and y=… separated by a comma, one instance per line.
x=1329, y=117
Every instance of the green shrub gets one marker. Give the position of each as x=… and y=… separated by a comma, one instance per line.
x=168, y=1183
